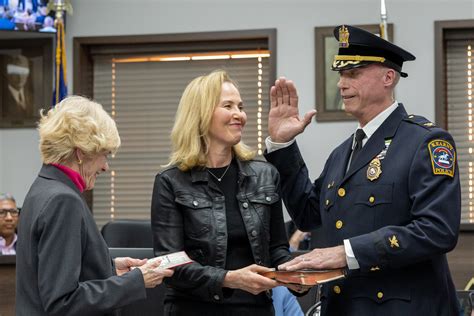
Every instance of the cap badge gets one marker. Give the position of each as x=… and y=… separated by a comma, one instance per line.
x=343, y=37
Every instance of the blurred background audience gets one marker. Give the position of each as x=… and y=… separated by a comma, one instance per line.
x=8, y=223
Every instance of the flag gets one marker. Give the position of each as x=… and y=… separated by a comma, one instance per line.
x=60, y=81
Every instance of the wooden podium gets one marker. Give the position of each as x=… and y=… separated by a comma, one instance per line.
x=7, y=285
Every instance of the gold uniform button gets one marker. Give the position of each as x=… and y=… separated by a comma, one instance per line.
x=371, y=199
x=341, y=192
x=336, y=289
x=327, y=202
x=339, y=224
x=380, y=295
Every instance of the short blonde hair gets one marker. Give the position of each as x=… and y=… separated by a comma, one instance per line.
x=190, y=133
x=76, y=122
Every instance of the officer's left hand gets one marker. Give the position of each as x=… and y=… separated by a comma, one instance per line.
x=317, y=259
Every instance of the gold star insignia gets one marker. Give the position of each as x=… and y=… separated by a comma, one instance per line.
x=393, y=241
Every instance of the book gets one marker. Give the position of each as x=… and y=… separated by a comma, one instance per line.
x=305, y=277
x=173, y=260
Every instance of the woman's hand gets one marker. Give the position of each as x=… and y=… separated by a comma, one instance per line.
x=124, y=264
x=153, y=275
x=249, y=280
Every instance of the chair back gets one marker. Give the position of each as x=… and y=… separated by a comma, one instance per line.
x=128, y=233
x=134, y=238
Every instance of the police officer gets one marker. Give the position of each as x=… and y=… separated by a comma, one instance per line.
x=388, y=197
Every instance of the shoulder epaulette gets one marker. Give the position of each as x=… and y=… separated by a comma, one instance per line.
x=420, y=120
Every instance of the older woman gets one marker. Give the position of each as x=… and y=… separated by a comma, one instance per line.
x=218, y=205
x=63, y=265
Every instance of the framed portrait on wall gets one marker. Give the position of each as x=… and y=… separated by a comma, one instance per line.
x=328, y=98
x=25, y=80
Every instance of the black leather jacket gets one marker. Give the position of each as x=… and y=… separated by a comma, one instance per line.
x=188, y=213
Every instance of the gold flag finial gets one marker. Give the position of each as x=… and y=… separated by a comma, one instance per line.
x=383, y=20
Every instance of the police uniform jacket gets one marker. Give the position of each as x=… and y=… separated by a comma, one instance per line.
x=400, y=222
x=63, y=265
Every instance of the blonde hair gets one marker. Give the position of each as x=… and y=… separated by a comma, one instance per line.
x=190, y=133
x=76, y=122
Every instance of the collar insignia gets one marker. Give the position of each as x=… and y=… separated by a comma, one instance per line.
x=393, y=241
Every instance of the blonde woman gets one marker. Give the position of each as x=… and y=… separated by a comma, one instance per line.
x=220, y=206
x=63, y=265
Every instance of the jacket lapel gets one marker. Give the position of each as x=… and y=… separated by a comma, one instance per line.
x=344, y=157
x=376, y=143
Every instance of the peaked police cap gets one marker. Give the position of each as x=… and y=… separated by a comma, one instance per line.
x=358, y=48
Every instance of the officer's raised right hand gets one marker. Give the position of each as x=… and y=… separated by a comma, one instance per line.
x=284, y=122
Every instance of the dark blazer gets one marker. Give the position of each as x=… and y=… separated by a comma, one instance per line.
x=63, y=266
x=400, y=224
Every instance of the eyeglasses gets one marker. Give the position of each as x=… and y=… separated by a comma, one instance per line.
x=13, y=212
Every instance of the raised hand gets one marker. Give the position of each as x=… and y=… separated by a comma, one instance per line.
x=249, y=280
x=284, y=122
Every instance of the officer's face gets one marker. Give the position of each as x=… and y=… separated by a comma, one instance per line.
x=363, y=91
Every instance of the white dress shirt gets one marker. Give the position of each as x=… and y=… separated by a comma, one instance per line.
x=10, y=249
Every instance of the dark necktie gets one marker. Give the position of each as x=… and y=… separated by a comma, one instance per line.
x=359, y=136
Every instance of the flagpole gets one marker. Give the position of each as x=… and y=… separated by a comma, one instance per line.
x=383, y=21
x=60, y=80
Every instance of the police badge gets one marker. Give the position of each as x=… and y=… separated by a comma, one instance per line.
x=375, y=170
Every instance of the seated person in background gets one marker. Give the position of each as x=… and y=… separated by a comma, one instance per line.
x=48, y=25
x=285, y=303
x=6, y=22
x=8, y=222
x=298, y=240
